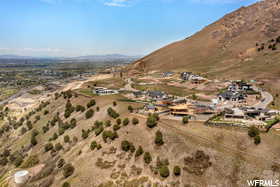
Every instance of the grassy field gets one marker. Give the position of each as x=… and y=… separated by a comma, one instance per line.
x=7, y=92
x=112, y=83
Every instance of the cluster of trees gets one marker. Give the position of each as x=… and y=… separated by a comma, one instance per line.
x=69, y=109
x=254, y=132
x=15, y=158
x=94, y=145
x=272, y=44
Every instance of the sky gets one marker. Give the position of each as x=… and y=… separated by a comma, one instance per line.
x=96, y=27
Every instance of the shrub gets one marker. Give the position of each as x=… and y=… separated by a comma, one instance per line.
x=112, y=113
x=99, y=130
x=45, y=129
x=23, y=130
x=35, y=132
x=66, y=184
x=58, y=147
x=73, y=123
x=31, y=161
x=130, y=108
x=89, y=113
x=151, y=122
x=93, y=145
x=185, y=120
x=125, y=121
x=80, y=108
x=116, y=127
x=91, y=103
x=253, y=131
x=177, y=171
x=109, y=134
x=84, y=134
x=68, y=170
x=164, y=171
x=257, y=139
x=125, y=145
x=55, y=136
x=159, y=139
x=48, y=147
x=60, y=163
x=114, y=103
x=135, y=121
x=119, y=121
x=108, y=123
x=46, y=112
x=29, y=125
x=139, y=151
x=33, y=140
x=147, y=158
x=97, y=108
x=66, y=139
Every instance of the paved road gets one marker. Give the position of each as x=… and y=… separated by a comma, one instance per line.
x=267, y=98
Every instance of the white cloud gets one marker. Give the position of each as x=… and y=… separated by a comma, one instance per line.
x=117, y=3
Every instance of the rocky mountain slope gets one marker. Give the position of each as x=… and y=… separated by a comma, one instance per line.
x=241, y=44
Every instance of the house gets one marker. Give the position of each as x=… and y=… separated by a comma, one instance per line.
x=239, y=86
x=156, y=95
x=138, y=94
x=235, y=113
x=182, y=110
x=167, y=74
x=186, y=76
x=104, y=91
x=231, y=96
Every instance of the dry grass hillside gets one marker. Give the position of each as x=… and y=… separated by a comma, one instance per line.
x=205, y=155
x=228, y=48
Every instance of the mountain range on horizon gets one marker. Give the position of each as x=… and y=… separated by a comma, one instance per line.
x=86, y=57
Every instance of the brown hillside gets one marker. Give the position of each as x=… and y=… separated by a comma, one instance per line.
x=226, y=47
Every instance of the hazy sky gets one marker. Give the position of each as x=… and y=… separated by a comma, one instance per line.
x=85, y=27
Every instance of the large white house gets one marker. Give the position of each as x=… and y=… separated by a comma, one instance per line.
x=104, y=91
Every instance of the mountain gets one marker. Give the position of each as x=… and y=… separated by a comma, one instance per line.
x=105, y=58
x=242, y=44
x=91, y=58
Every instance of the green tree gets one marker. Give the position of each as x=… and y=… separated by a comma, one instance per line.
x=125, y=121
x=151, y=122
x=66, y=138
x=159, y=138
x=139, y=151
x=91, y=103
x=89, y=113
x=48, y=147
x=257, y=139
x=185, y=120
x=177, y=171
x=135, y=121
x=125, y=145
x=147, y=158
x=253, y=131
x=164, y=171
x=130, y=108
x=68, y=170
